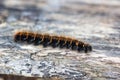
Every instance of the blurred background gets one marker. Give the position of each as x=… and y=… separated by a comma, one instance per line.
x=93, y=21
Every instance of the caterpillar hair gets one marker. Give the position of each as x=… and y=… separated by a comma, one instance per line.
x=51, y=40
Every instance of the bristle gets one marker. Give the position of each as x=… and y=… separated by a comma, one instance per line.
x=38, y=39
x=62, y=42
x=68, y=43
x=46, y=40
x=54, y=41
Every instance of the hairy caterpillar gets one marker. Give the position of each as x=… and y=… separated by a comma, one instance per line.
x=52, y=40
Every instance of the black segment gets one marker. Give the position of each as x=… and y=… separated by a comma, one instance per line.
x=37, y=41
x=46, y=42
x=61, y=43
x=68, y=45
x=30, y=39
x=88, y=48
x=54, y=43
x=17, y=38
x=80, y=47
x=73, y=46
x=23, y=37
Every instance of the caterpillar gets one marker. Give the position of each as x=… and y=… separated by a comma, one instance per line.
x=52, y=40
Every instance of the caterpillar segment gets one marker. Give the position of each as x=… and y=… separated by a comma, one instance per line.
x=38, y=39
x=46, y=40
x=54, y=41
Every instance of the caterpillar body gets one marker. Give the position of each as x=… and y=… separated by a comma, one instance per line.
x=52, y=40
